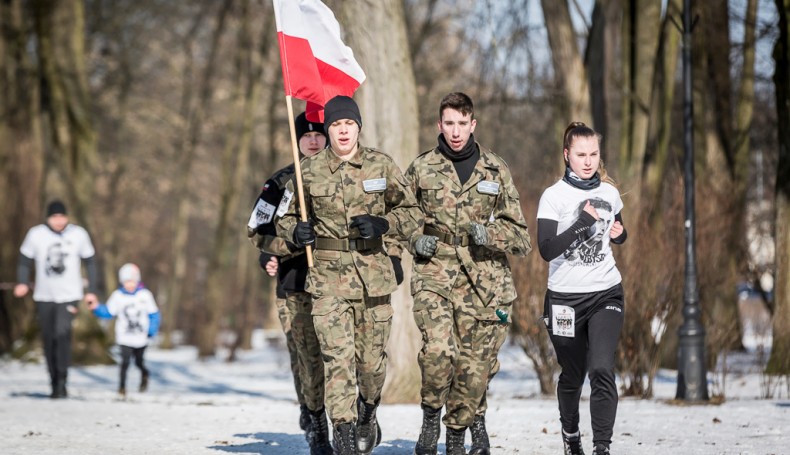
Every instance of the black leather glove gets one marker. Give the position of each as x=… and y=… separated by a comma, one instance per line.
x=370, y=227
x=398, y=268
x=425, y=246
x=304, y=234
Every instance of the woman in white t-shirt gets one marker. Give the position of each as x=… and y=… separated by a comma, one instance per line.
x=578, y=220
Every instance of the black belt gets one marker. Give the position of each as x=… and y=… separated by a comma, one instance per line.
x=444, y=237
x=323, y=243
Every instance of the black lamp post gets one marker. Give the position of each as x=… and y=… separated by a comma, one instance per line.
x=692, y=378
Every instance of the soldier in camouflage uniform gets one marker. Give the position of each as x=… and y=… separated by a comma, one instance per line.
x=294, y=305
x=359, y=207
x=462, y=284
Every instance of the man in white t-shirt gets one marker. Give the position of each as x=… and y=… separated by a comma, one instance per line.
x=57, y=249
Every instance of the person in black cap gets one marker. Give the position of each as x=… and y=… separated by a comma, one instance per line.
x=57, y=248
x=360, y=208
x=289, y=264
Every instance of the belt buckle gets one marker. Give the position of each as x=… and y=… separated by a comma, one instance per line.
x=352, y=244
x=458, y=240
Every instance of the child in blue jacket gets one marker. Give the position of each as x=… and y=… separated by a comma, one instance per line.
x=137, y=320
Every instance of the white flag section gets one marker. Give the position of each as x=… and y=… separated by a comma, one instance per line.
x=316, y=64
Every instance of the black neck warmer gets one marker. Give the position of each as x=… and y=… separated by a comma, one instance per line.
x=574, y=180
x=464, y=160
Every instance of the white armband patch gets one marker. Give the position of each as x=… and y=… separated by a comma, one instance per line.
x=261, y=214
x=285, y=202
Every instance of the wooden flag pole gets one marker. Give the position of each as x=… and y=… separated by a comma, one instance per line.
x=298, y=172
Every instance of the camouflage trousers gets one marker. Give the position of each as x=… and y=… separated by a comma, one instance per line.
x=353, y=334
x=303, y=349
x=286, y=320
x=310, y=367
x=458, y=358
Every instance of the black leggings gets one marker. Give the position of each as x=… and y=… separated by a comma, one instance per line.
x=54, y=320
x=126, y=354
x=599, y=320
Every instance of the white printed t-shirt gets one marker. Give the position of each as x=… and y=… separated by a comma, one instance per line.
x=588, y=264
x=58, y=258
x=131, y=312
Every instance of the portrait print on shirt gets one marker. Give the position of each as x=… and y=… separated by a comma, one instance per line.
x=588, y=246
x=56, y=259
x=134, y=315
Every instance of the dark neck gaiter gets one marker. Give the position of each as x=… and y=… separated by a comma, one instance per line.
x=574, y=180
x=464, y=160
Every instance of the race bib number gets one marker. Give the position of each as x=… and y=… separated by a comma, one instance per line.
x=563, y=321
x=488, y=187
x=285, y=202
x=375, y=185
x=261, y=214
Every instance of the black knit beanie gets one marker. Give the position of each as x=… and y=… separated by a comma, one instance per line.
x=304, y=126
x=56, y=208
x=341, y=107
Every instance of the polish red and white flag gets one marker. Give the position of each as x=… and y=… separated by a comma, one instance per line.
x=316, y=64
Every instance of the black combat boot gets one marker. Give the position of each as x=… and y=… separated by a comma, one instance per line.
x=480, y=444
x=344, y=439
x=429, y=434
x=455, y=442
x=304, y=418
x=572, y=443
x=601, y=449
x=368, y=431
x=318, y=436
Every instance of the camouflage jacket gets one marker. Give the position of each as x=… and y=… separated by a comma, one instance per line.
x=490, y=198
x=335, y=191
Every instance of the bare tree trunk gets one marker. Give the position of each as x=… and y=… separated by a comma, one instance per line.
x=744, y=114
x=779, y=363
x=193, y=113
x=377, y=33
x=61, y=51
x=60, y=32
x=21, y=163
x=660, y=129
x=603, y=62
x=223, y=286
x=568, y=66
x=646, y=36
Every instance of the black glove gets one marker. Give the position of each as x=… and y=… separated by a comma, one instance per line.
x=370, y=227
x=304, y=234
x=263, y=259
x=396, y=266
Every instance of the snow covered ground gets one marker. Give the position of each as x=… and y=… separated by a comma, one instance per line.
x=248, y=407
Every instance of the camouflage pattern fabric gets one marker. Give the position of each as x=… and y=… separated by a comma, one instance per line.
x=308, y=351
x=353, y=334
x=351, y=290
x=335, y=191
x=458, y=290
x=287, y=322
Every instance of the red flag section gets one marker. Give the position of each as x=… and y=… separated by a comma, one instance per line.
x=316, y=64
